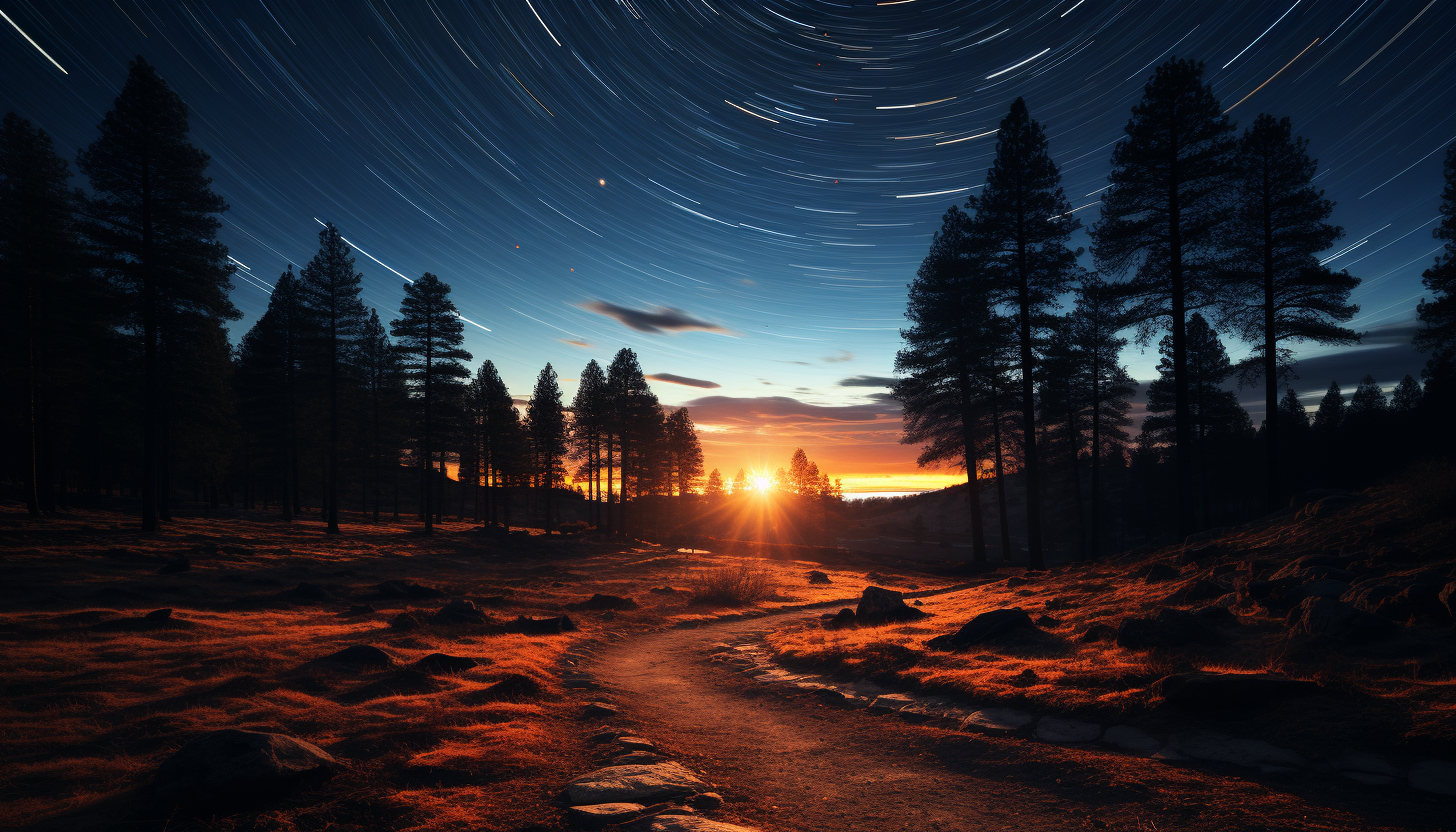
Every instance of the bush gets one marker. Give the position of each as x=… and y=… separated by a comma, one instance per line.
x=573, y=527
x=725, y=585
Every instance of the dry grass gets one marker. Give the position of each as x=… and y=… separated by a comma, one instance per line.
x=733, y=585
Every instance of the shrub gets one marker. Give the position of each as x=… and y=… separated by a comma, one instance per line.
x=725, y=585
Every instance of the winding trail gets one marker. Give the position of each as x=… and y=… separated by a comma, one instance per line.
x=787, y=762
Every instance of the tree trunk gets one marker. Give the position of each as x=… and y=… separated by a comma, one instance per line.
x=1035, y=559
x=1002, y=517
x=973, y=482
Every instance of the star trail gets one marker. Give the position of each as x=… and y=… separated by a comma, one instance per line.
x=738, y=191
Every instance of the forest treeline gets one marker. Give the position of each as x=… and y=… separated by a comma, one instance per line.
x=121, y=380
x=1203, y=232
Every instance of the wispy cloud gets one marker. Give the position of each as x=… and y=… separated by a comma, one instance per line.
x=868, y=381
x=842, y=355
x=577, y=342
x=659, y=320
x=684, y=381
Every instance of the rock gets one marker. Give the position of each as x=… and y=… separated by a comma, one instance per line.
x=1024, y=679
x=1047, y=621
x=1217, y=613
x=231, y=767
x=1130, y=739
x=401, y=683
x=883, y=606
x=996, y=721
x=706, y=802
x=443, y=664
x=841, y=620
x=158, y=615
x=663, y=590
x=1015, y=581
x=993, y=626
x=631, y=784
x=1098, y=632
x=525, y=625
x=598, y=815
x=891, y=702
x=461, y=611
x=830, y=696
x=398, y=590
x=1158, y=572
x=599, y=602
x=1207, y=745
x=513, y=688
x=689, y=823
x=1335, y=623
x=1434, y=776
x=817, y=577
x=1206, y=691
x=360, y=655
x=405, y=621
x=1168, y=629
x=598, y=710
x=358, y=609
x=636, y=744
x=1059, y=730
x=637, y=758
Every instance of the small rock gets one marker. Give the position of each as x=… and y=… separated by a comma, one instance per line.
x=841, y=620
x=637, y=758
x=636, y=744
x=1025, y=679
x=525, y=625
x=599, y=602
x=360, y=655
x=1047, y=621
x=690, y=823
x=400, y=683
x=441, y=663
x=817, y=577
x=659, y=781
x=830, y=696
x=883, y=606
x=993, y=626
x=404, y=622
x=158, y=615
x=1059, y=730
x=1434, y=776
x=919, y=603
x=513, y=688
x=996, y=721
x=397, y=590
x=599, y=815
x=1098, y=632
x=707, y=802
x=1131, y=739
x=461, y=611
x=663, y=590
x=241, y=767
x=598, y=710
x=890, y=702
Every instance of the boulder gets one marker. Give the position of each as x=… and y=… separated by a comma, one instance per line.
x=690, y=823
x=1207, y=691
x=1333, y=623
x=599, y=603
x=158, y=615
x=233, y=767
x=401, y=590
x=883, y=606
x=637, y=758
x=634, y=784
x=461, y=611
x=360, y=655
x=706, y=802
x=817, y=577
x=840, y=620
x=525, y=625
x=443, y=664
x=513, y=688
x=598, y=710
x=603, y=814
x=992, y=626
x=1168, y=629
x=405, y=621
x=1059, y=730
x=1098, y=632
x=996, y=721
x=891, y=702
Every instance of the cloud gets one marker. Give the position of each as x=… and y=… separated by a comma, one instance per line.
x=783, y=410
x=659, y=321
x=684, y=381
x=842, y=355
x=868, y=381
x=576, y=343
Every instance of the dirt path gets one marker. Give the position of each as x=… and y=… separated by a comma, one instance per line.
x=786, y=762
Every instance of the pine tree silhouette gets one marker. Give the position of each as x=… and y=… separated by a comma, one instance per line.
x=546, y=423
x=1438, y=337
x=382, y=378
x=1025, y=222
x=270, y=363
x=633, y=422
x=1160, y=219
x=1279, y=291
x=685, y=454
x=1406, y=397
x=153, y=221
x=1331, y=413
x=588, y=424
x=429, y=334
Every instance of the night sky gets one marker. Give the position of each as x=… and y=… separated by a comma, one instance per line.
x=739, y=192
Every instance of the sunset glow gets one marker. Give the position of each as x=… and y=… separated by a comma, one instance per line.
x=763, y=484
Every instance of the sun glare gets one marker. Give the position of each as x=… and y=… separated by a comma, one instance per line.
x=763, y=484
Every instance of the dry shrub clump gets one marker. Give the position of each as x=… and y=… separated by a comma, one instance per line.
x=743, y=583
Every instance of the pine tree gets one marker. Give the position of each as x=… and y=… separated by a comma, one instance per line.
x=42, y=273
x=383, y=382
x=953, y=350
x=684, y=452
x=715, y=484
x=546, y=423
x=153, y=220
x=1280, y=293
x=1331, y=413
x=493, y=424
x=588, y=421
x=1439, y=314
x=1025, y=222
x=430, y=334
x=740, y=483
x=1292, y=415
x=270, y=363
x=633, y=421
x=1406, y=397
x=1368, y=399
x=329, y=290
x=1095, y=321
x=1161, y=215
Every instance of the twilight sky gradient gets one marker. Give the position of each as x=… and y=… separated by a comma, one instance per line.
x=739, y=192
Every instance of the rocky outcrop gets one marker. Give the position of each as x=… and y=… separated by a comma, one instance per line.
x=634, y=784
x=233, y=767
x=883, y=606
x=1168, y=629
x=988, y=627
